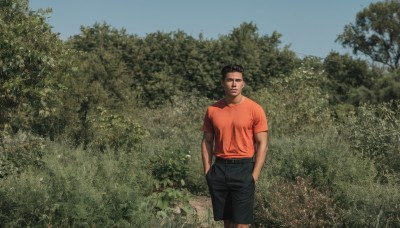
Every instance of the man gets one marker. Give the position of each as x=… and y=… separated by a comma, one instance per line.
x=235, y=132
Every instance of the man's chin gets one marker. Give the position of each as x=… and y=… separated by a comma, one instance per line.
x=233, y=95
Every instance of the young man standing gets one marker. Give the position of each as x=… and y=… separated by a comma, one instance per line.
x=236, y=133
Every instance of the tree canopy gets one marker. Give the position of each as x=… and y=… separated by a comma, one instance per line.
x=29, y=56
x=376, y=33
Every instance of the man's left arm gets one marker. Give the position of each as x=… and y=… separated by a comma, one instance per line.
x=261, y=140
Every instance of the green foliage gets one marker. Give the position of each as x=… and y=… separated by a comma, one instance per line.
x=171, y=166
x=173, y=142
x=323, y=157
x=18, y=152
x=295, y=102
x=29, y=56
x=346, y=74
x=103, y=74
x=299, y=204
x=343, y=69
x=114, y=131
x=376, y=33
x=387, y=88
x=78, y=188
x=259, y=54
x=373, y=131
x=369, y=205
x=333, y=173
x=163, y=65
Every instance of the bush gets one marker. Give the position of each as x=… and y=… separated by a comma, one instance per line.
x=373, y=131
x=19, y=151
x=171, y=167
x=334, y=174
x=174, y=141
x=78, y=188
x=114, y=131
x=295, y=102
x=322, y=155
x=369, y=205
x=299, y=204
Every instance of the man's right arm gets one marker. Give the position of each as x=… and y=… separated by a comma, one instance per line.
x=207, y=145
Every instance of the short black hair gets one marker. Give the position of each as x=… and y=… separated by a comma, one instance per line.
x=231, y=68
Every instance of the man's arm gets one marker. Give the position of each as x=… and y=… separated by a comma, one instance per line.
x=261, y=139
x=207, y=145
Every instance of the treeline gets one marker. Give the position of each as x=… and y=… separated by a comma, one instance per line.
x=104, y=128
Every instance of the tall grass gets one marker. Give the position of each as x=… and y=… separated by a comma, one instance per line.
x=78, y=188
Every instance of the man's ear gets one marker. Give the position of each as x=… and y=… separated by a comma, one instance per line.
x=243, y=85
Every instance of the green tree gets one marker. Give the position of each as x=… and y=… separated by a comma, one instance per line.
x=387, y=88
x=346, y=74
x=158, y=81
x=376, y=33
x=260, y=55
x=30, y=56
x=102, y=84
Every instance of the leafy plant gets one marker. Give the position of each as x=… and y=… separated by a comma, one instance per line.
x=114, y=131
x=295, y=204
x=19, y=151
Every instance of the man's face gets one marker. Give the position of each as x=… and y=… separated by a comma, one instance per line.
x=233, y=84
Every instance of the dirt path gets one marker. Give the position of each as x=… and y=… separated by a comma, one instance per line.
x=203, y=208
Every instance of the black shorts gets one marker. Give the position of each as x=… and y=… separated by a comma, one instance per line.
x=232, y=187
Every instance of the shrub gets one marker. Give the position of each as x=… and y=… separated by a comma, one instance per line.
x=321, y=155
x=295, y=102
x=171, y=167
x=78, y=188
x=295, y=204
x=373, y=131
x=174, y=141
x=19, y=151
x=369, y=205
x=335, y=174
x=114, y=131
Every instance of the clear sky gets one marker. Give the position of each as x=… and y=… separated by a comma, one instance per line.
x=309, y=26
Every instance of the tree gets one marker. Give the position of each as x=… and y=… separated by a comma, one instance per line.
x=345, y=74
x=260, y=55
x=376, y=33
x=101, y=86
x=30, y=56
x=387, y=88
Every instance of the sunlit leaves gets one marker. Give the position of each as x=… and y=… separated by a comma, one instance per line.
x=375, y=33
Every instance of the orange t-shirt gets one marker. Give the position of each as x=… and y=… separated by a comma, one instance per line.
x=234, y=127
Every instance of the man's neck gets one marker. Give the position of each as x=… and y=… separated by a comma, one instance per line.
x=234, y=100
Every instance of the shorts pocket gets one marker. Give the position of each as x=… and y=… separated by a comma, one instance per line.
x=208, y=172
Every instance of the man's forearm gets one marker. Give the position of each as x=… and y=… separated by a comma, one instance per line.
x=206, y=152
x=261, y=155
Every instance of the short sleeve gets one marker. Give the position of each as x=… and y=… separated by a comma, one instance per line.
x=260, y=120
x=207, y=123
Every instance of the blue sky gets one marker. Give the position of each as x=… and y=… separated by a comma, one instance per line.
x=309, y=26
